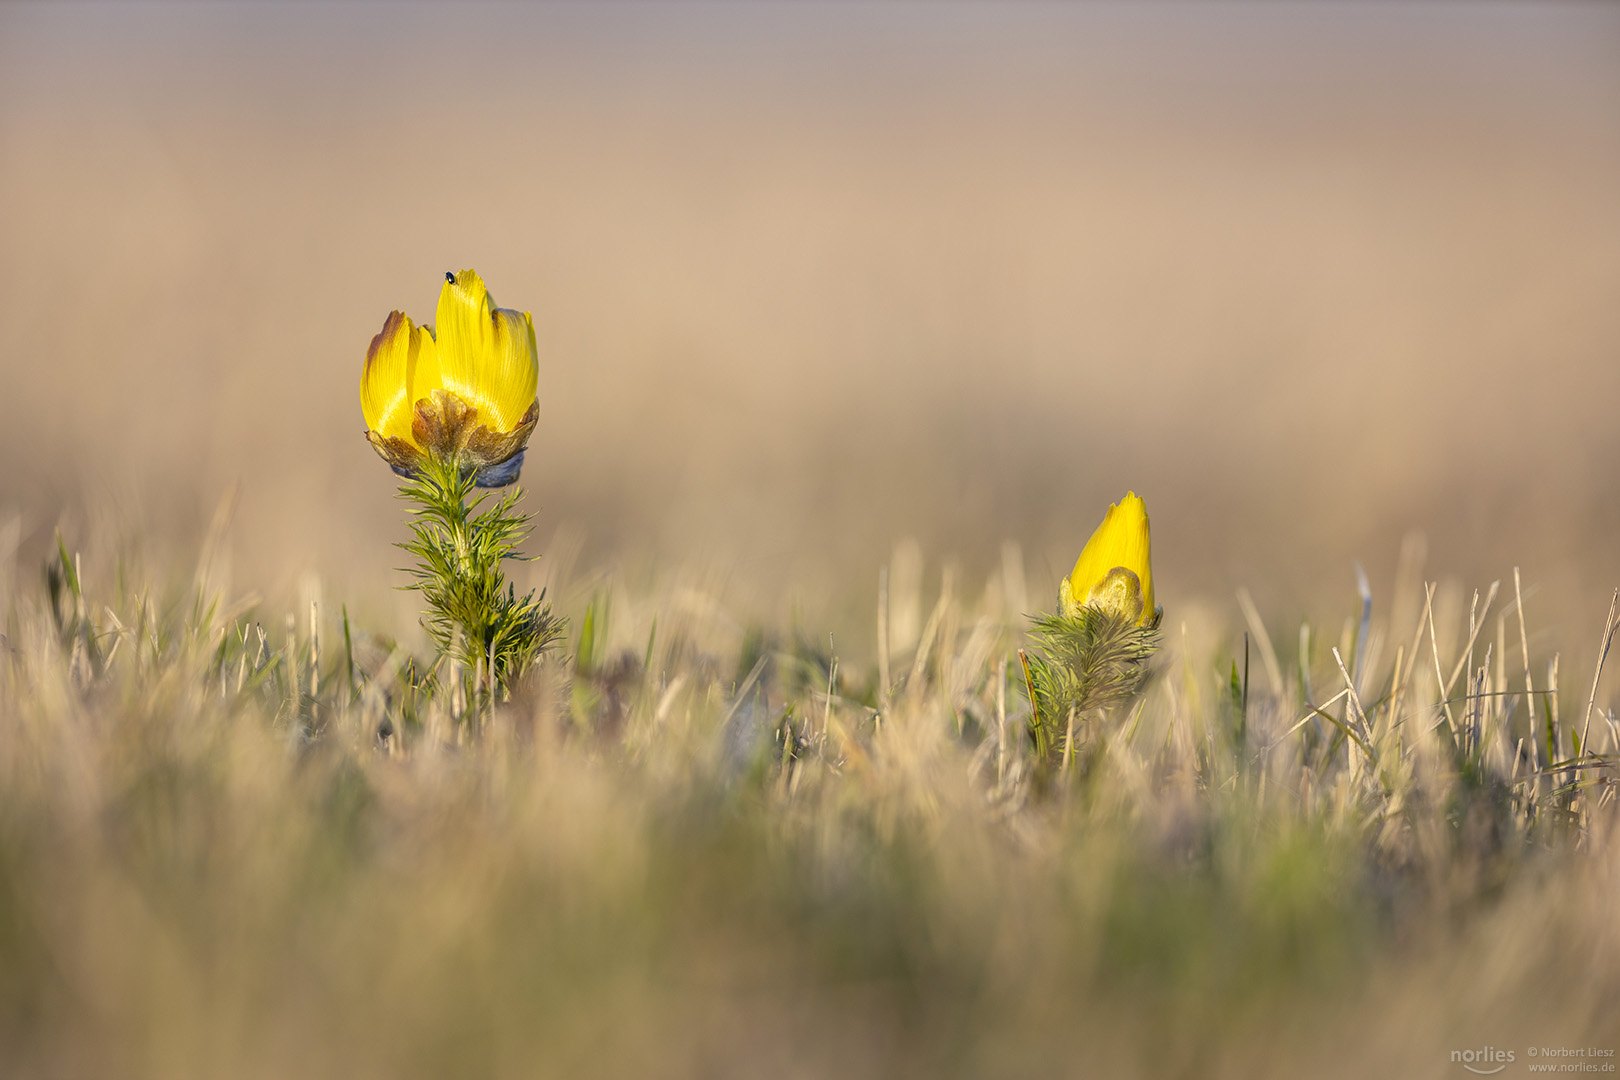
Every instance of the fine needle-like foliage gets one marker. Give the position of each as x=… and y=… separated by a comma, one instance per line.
x=1087, y=661
x=474, y=614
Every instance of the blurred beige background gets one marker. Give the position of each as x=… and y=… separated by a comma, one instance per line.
x=808, y=279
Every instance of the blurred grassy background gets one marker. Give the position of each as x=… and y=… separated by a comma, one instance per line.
x=809, y=279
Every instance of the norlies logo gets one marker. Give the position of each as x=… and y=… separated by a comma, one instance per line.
x=1486, y=1061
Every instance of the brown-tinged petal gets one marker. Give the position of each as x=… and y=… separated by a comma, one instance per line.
x=401, y=365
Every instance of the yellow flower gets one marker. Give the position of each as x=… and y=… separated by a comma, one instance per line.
x=1114, y=571
x=467, y=395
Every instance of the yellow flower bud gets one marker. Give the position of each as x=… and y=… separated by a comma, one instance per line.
x=467, y=395
x=1114, y=571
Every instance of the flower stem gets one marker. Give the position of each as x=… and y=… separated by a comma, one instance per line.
x=473, y=614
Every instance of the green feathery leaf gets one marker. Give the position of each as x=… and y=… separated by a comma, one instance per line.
x=473, y=613
x=1092, y=659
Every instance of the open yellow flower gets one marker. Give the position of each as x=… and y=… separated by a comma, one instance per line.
x=466, y=395
x=1114, y=571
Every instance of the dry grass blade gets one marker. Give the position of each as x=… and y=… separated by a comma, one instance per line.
x=1315, y=711
x=885, y=683
x=925, y=644
x=1475, y=624
x=1257, y=627
x=1609, y=628
x=1361, y=734
x=1434, y=648
x=1529, y=683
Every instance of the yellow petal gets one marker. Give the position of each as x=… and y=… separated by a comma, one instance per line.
x=401, y=366
x=1120, y=541
x=487, y=354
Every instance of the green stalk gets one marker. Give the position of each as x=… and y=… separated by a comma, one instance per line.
x=460, y=540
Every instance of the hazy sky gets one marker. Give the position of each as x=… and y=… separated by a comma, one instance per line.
x=810, y=278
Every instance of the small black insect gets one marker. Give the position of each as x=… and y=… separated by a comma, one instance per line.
x=448, y=276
